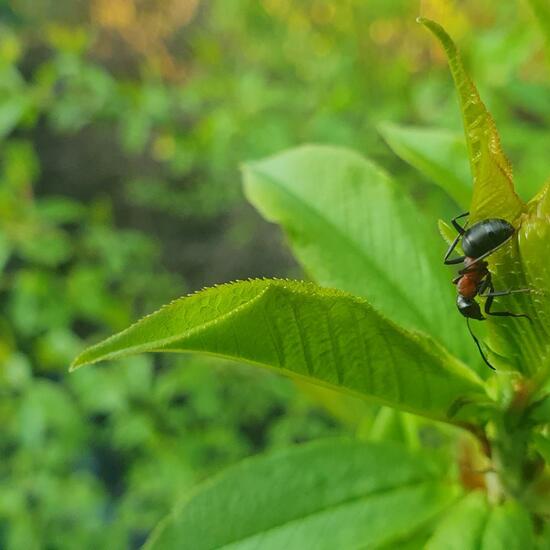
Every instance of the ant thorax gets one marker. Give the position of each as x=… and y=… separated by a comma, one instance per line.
x=472, y=275
x=471, y=265
x=467, y=285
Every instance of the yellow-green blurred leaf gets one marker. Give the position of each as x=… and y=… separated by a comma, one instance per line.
x=474, y=524
x=440, y=155
x=541, y=8
x=447, y=233
x=324, y=495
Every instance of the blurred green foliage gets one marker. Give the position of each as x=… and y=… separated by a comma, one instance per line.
x=122, y=127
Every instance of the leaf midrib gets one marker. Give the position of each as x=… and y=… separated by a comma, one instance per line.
x=342, y=503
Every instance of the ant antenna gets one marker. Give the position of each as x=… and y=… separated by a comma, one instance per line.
x=478, y=345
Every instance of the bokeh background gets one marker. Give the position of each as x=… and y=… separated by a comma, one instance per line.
x=122, y=127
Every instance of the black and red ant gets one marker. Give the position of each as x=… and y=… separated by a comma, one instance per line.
x=475, y=280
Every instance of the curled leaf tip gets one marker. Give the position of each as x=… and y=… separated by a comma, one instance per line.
x=429, y=23
x=494, y=195
x=439, y=32
x=77, y=363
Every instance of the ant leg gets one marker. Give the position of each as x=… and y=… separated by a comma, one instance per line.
x=488, y=284
x=456, y=225
x=488, y=311
x=504, y=293
x=453, y=261
x=479, y=345
x=460, y=231
x=491, y=296
x=485, y=284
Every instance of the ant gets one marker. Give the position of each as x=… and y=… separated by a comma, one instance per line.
x=479, y=241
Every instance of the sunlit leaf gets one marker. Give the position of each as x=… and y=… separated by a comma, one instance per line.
x=11, y=111
x=447, y=233
x=541, y=9
x=521, y=264
x=542, y=443
x=392, y=425
x=540, y=411
x=440, y=155
x=493, y=193
x=348, y=409
x=524, y=264
x=5, y=250
x=322, y=335
x=324, y=495
x=509, y=526
x=352, y=228
x=474, y=524
x=534, y=251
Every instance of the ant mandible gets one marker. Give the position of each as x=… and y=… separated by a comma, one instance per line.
x=479, y=241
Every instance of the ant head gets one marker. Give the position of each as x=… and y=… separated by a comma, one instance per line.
x=469, y=308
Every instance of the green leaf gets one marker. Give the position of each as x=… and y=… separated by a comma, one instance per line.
x=447, y=233
x=530, y=268
x=352, y=411
x=440, y=155
x=321, y=335
x=493, y=193
x=540, y=410
x=543, y=540
x=524, y=264
x=509, y=527
x=542, y=443
x=521, y=264
x=392, y=425
x=474, y=524
x=541, y=8
x=409, y=543
x=12, y=110
x=353, y=229
x=323, y=495
x=5, y=250
x=463, y=526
